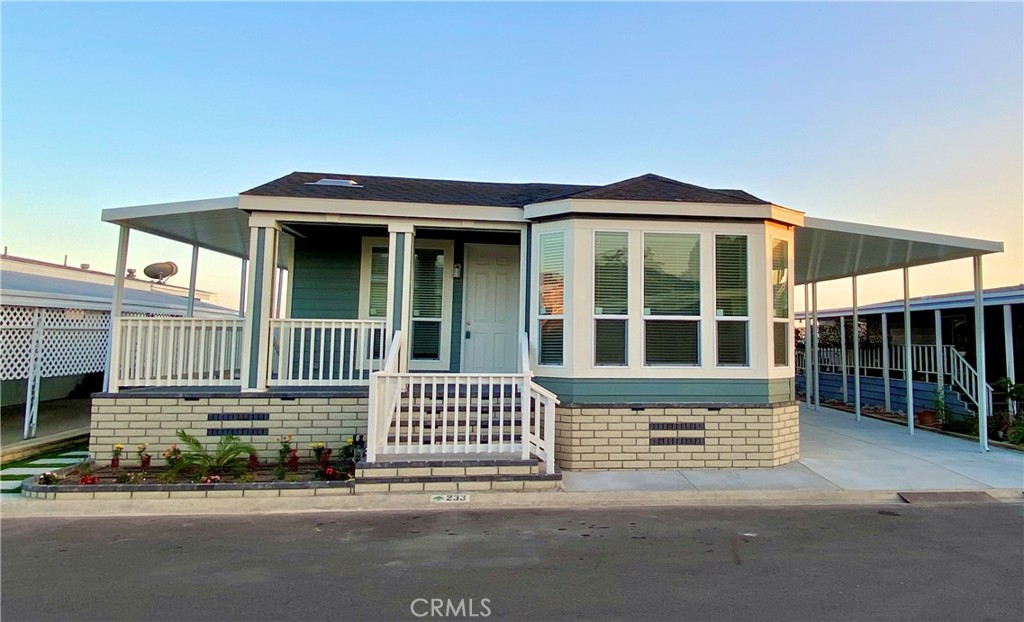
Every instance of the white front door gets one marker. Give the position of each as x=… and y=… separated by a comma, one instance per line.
x=491, y=313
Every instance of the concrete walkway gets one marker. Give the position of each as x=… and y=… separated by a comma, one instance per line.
x=838, y=453
x=58, y=420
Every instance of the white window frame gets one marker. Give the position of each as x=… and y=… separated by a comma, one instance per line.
x=729, y=318
x=565, y=297
x=364, y=276
x=593, y=306
x=789, y=301
x=645, y=316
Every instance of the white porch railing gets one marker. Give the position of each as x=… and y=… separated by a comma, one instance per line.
x=433, y=414
x=955, y=367
x=155, y=352
x=324, y=352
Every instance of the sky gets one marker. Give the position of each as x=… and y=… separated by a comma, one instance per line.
x=903, y=115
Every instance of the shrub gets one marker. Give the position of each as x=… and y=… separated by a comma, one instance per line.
x=230, y=454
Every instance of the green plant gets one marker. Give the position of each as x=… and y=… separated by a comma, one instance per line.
x=230, y=454
x=1016, y=432
x=246, y=478
x=942, y=411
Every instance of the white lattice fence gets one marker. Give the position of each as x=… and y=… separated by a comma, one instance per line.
x=72, y=341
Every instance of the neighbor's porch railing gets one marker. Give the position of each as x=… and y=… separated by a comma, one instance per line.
x=157, y=352
x=324, y=352
x=430, y=414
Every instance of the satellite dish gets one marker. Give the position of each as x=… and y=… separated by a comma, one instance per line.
x=161, y=271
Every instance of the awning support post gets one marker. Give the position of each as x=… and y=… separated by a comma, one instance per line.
x=856, y=353
x=808, y=385
x=979, y=349
x=1011, y=372
x=814, y=349
x=190, y=306
x=885, y=362
x=940, y=359
x=241, y=288
x=35, y=369
x=110, y=377
x=908, y=355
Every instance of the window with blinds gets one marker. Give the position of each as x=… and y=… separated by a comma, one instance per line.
x=611, y=297
x=671, y=299
x=780, y=301
x=731, y=300
x=378, y=281
x=551, y=301
x=427, y=303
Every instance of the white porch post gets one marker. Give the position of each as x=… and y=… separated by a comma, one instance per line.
x=1011, y=372
x=278, y=298
x=940, y=359
x=979, y=349
x=908, y=356
x=815, y=348
x=35, y=368
x=856, y=353
x=190, y=306
x=808, y=385
x=260, y=296
x=842, y=357
x=111, y=378
x=400, y=256
x=885, y=361
x=241, y=288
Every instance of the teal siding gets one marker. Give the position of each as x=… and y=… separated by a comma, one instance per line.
x=668, y=390
x=325, y=280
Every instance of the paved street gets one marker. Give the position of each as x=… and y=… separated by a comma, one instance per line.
x=824, y=563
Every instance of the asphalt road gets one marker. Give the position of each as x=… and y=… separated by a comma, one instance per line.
x=842, y=563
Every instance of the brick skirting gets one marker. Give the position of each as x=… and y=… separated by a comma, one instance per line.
x=596, y=438
x=256, y=420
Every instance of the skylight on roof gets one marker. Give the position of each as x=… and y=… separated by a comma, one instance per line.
x=349, y=183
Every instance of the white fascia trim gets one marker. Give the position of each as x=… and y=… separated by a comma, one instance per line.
x=981, y=247
x=664, y=208
x=119, y=214
x=381, y=208
x=266, y=219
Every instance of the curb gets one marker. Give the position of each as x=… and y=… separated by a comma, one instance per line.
x=397, y=502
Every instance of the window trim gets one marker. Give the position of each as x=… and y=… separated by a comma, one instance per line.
x=365, y=268
x=701, y=293
x=595, y=318
x=559, y=316
x=730, y=318
x=790, y=341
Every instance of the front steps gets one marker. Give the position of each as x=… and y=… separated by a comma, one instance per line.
x=451, y=475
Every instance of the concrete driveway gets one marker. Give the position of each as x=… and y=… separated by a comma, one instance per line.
x=839, y=453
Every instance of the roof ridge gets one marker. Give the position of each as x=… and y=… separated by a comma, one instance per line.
x=454, y=181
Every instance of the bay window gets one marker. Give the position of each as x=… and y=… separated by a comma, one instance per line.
x=671, y=309
x=780, y=301
x=551, y=302
x=611, y=297
x=732, y=315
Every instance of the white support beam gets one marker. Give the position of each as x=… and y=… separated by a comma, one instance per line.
x=908, y=354
x=940, y=359
x=241, y=288
x=808, y=385
x=190, y=306
x=979, y=349
x=1011, y=372
x=856, y=353
x=114, y=342
x=815, y=346
x=35, y=368
x=259, y=299
x=885, y=362
x=842, y=357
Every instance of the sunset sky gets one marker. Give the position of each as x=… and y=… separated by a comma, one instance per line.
x=904, y=115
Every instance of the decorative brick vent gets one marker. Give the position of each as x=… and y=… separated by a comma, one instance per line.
x=237, y=431
x=677, y=441
x=676, y=426
x=238, y=417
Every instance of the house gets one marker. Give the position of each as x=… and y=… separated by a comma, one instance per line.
x=641, y=324
x=55, y=326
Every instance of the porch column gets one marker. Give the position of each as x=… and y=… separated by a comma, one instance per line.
x=400, y=255
x=259, y=299
x=111, y=373
x=940, y=359
x=885, y=361
x=241, y=288
x=1011, y=373
x=856, y=353
x=908, y=355
x=979, y=349
x=842, y=357
x=190, y=305
x=808, y=388
x=815, y=347
x=524, y=279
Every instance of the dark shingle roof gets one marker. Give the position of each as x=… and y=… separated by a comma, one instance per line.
x=647, y=187
x=411, y=190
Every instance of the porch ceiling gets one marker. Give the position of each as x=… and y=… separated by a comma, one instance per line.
x=833, y=249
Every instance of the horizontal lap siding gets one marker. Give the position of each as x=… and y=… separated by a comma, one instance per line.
x=668, y=390
x=872, y=392
x=325, y=283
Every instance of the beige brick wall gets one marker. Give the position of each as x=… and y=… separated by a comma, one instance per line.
x=595, y=438
x=134, y=420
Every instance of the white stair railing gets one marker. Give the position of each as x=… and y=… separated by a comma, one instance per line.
x=965, y=378
x=169, y=351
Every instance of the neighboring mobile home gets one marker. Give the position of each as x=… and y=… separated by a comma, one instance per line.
x=642, y=324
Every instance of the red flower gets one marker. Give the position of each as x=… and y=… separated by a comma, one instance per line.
x=88, y=480
x=254, y=462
